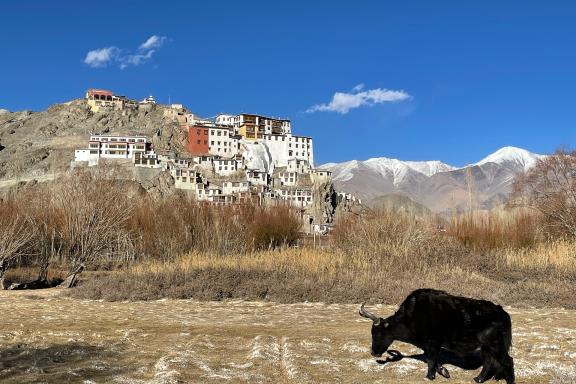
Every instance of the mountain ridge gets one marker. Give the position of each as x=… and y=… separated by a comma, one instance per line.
x=435, y=184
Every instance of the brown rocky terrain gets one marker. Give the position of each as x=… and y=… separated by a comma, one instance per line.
x=35, y=144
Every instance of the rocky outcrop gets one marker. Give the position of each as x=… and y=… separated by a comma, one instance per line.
x=36, y=143
x=160, y=186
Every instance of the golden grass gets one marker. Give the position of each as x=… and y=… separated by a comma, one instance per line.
x=555, y=255
x=307, y=261
x=497, y=228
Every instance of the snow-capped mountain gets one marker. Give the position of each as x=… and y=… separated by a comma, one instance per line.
x=394, y=169
x=512, y=156
x=437, y=185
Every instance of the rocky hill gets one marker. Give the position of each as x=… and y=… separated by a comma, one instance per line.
x=36, y=144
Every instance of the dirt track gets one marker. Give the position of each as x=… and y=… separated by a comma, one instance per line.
x=47, y=338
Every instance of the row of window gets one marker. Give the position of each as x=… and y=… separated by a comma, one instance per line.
x=121, y=139
x=295, y=193
x=295, y=138
x=294, y=198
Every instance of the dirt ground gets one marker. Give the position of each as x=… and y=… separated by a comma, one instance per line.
x=46, y=338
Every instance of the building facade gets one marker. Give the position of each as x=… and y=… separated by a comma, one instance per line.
x=112, y=147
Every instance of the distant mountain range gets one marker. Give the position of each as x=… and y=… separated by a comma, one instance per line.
x=434, y=184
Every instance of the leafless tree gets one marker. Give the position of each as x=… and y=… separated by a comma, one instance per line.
x=16, y=235
x=550, y=188
x=93, y=209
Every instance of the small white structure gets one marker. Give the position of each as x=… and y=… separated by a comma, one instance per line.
x=256, y=177
x=298, y=165
x=224, y=119
x=147, y=160
x=297, y=197
x=149, y=100
x=204, y=162
x=186, y=178
x=223, y=142
x=225, y=167
x=234, y=187
x=282, y=148
x=349, y=197
x=112, y=147
x=320, y=175
x=288, y=178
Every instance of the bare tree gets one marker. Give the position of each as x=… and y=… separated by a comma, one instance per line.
x=16, y=235
x=550, y=188
x=93, y=209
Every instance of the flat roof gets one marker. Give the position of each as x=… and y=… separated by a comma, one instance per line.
x=127, y=136
x=105, y=92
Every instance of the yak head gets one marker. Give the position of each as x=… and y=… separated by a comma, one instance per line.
x=382, y=335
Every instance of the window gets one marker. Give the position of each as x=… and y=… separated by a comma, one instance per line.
x=212, y=132
x=219, y=133
x=206, y=142
x=206, y=132
x=198, y=132
x=198, y=141
x=212, y=142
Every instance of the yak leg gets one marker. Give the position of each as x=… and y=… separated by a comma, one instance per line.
x=443, y=371
x=505, y=367
x=497, y=362
x=488, y=368
x=432, y=361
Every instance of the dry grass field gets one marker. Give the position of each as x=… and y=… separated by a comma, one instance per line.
x=49, y=338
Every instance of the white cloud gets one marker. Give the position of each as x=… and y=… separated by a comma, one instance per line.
x=103, y=57
x=343, y=102
x=153, y=41
x=135, y=60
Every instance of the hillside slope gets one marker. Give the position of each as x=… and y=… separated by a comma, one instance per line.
x=38, y=143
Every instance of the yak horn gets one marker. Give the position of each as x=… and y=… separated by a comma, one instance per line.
x=364, y=313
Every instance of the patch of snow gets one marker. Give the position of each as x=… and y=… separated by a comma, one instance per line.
x=393, y=169
x=368, y=365
x=354, y=348
x=519, y=156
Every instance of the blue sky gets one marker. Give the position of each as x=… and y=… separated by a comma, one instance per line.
x=420, y=80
